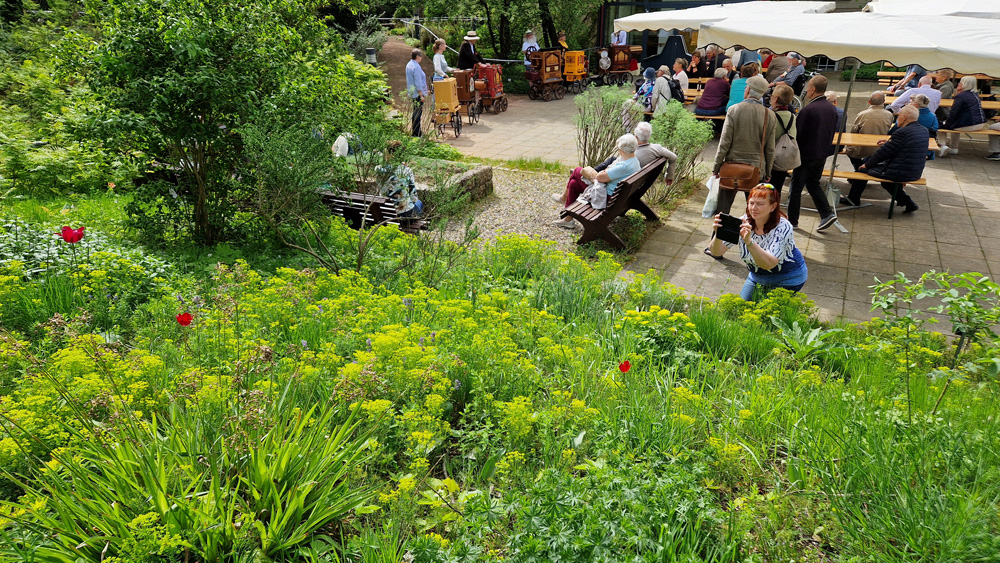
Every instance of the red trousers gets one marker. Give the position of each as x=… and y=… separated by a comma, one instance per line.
x=575, y=186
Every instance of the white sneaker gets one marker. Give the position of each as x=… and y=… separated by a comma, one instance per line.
x=557, y=198
x=566, y=223
x=952, y=151
x=943, y=150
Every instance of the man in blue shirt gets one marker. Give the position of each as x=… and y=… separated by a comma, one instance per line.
x=795, y=70
x=913, y=75
x=416, y=88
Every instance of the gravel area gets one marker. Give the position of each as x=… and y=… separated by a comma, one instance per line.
x=521, y=204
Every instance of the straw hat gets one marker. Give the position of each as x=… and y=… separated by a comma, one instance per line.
x=471, y=36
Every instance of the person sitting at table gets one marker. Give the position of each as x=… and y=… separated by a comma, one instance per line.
x=876, y=120
x=595, y=186
x=767, y=246
x=713, y=59
x=765, y=58
x=645, y=93
x=779, y=65
x=781, y=105
x=900, y=159
x=731, y=74
x=739, y=85
x=715, y=96
x=926, y=117
x=679, y=75
x=697, y=67
x=924, y=86
x=943, y=84
x=795, y=70
x=833, y=98
x=910, y=79
x=966, y=114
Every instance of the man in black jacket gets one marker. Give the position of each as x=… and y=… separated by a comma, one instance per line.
x=816, y=124
x=901, y=159
x=468, y=55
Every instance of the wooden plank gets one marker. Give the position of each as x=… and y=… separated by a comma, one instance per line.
x=983, y=131
x=987, y=104
x=866, y=140
x=862, y=176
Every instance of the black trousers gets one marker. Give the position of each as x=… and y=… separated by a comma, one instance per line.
x=902, y=198
x=778, y=178
x=418, y=114
x=857, y=186
x=808, y=175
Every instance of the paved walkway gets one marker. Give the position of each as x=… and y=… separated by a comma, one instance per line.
x=528, y=129
x=957, y=227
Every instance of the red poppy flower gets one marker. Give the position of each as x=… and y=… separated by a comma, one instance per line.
x=184, y=319
x=625, y=366
x=71, y=235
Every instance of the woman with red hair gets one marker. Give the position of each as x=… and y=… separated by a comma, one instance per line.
x=767, y=246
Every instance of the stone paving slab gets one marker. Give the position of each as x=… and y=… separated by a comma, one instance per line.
x=957, y=227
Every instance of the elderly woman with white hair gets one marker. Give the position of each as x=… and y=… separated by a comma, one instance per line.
x=966, y=115
x=595, y=187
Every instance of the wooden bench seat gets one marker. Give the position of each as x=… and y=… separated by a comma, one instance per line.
x=852, y=175
x=628, y=195
x=368, y=210
x=713, y=117
x=983, y=131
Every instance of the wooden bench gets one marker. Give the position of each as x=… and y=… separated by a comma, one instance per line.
x=627, y=195
x=368, y=210
x=983, y=131
x=852, y=175
x=712, y=117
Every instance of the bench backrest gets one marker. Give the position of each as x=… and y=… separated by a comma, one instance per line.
x=618, y=201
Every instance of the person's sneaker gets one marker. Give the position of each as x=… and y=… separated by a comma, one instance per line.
x=912, y=208
x=994, y=156
x=844, y=200
x=943, y=150
x=952, y=151
x=557, y=198
x=566, y=223
x=826, y=222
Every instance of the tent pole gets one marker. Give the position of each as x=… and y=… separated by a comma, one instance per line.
x=840, y=132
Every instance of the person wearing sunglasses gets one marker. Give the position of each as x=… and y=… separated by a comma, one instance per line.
x=766, y=244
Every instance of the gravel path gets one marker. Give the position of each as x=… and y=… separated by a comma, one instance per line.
x=520, y=205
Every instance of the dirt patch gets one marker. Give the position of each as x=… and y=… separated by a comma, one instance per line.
x=392, y=59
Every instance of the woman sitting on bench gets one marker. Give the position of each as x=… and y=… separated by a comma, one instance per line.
x=397, y=183
x=595, y=186
x=767, y=246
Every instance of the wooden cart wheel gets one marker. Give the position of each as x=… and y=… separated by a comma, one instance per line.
x=456, y=123
x=548, y=94
x=560, y=91
x=584, y=82
x=613, y=80
x=503, y=104
x=471, y=110
x=532, y=93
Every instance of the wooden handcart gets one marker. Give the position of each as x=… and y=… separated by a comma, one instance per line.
x=446, y=106
x=616, y=68
x=575, y=70
x=545, y=76
x=468, y=95
x=489, y=83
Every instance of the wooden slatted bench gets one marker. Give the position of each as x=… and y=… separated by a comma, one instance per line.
x=368, y=210
x=852, y=175
x=627, y=195
x=983, y=131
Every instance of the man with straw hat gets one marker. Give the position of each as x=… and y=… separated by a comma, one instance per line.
x=468, y=56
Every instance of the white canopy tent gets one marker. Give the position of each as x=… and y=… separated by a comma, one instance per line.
x=989, y=9
x=967, y=45
x=692, y=18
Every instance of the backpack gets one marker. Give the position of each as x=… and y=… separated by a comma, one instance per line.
x=676, y=92
x=786, y=150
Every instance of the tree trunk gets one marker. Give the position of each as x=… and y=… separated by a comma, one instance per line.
x=505, y=36
x=548, y=25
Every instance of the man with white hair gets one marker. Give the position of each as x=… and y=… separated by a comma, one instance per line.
x=901, y=159
x=582, y=179
x=923, y=87
x=646, y=152
x=795, y=70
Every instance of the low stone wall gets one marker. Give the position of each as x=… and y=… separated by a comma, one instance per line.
x=478, y=183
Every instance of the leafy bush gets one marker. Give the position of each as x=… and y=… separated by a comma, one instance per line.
x=369, y=33
x=602, y=115
x=677, y=129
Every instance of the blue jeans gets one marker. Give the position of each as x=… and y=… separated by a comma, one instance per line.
x=718, y=111
x=792, y=276
x=417, y=209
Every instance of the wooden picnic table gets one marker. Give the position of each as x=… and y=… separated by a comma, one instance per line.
x=898, y=74
x=987, y=104
x=867, y=140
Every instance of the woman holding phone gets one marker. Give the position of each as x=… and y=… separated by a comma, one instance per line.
x=766, y=244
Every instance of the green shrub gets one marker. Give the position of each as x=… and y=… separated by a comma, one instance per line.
x=602, y=114
x=677, y=129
